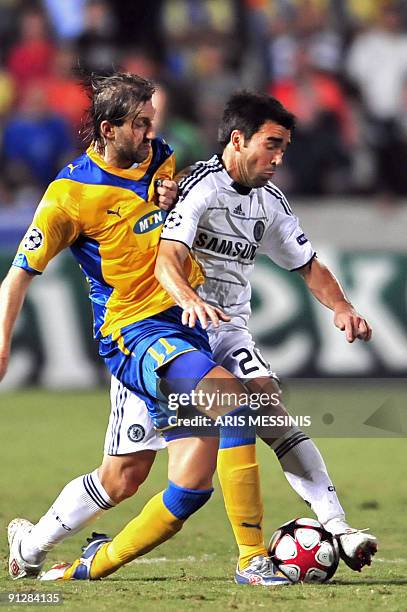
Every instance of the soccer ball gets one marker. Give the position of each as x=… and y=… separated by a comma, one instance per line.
x=304, y=551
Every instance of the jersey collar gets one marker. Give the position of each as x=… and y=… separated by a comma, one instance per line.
x=241, y=189
x=134, y=174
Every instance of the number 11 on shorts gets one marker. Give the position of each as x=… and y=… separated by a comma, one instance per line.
x=161, y=357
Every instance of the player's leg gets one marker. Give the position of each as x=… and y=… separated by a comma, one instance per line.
x=132, y=442
x=185, y=366
x=239, y=476
x=238, y=451
x=230, y=348
x=300, y=459
x=240, y=471
x=195, y=371
x=192, y=462
x=298, y=455
x=306, y=472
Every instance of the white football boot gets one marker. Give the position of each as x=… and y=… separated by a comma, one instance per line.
x=17, y=566
x=356, y=547
x=261, y=571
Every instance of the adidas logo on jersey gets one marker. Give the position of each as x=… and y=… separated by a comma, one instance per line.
x=238, y=210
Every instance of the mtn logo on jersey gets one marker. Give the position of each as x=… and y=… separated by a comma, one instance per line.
x=233, y=248
x=238, y=210
x=149, y=222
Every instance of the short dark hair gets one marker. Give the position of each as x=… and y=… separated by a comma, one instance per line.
x=113, y=98
x=246, y=111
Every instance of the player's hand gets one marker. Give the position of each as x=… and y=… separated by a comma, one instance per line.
x=197, y=310
x=349, y=321
x=166, y=193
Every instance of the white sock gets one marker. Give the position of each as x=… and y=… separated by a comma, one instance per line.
x=306, y=472
x=338, y=526
x=82, y=501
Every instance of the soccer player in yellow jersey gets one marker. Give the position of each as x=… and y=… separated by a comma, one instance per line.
x=103, y=207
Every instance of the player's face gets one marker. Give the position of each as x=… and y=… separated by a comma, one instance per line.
x=132, y=139
x=259, y=157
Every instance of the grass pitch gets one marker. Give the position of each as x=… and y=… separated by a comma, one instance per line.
x=50, y=437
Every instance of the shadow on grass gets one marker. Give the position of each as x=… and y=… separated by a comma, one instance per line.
x=180, y=578
x=214, y=579
x=369, y=582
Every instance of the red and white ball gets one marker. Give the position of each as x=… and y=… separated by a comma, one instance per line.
x=304, y=551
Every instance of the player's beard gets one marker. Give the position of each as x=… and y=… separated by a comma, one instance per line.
x=128, y=154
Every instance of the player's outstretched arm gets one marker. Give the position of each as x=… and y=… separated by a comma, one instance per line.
x=325, y=287
x=12, y=294
x=170, y=272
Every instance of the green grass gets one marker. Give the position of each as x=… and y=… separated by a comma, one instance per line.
x=50, y=437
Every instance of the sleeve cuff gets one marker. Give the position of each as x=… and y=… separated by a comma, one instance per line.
x=305, y=264
x=20, y=261
x=175, y=240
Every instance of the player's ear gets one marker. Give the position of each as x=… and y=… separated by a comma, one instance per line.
x=107, y=130
x=237, y=140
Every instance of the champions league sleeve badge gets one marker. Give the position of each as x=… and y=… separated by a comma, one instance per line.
x=173, y=220
x=33, y=239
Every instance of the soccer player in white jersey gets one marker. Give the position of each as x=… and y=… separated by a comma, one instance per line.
x=228, y=211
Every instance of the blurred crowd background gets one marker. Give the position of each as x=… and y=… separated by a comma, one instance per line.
x=339, y=65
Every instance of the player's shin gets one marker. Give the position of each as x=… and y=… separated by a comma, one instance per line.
x=161, y=518
x=80, y=502
x=238, y=474
x=306, y=472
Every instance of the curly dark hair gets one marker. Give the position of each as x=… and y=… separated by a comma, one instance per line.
x=113, y=98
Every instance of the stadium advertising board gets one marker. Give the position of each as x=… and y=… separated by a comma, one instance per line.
x=296, y=335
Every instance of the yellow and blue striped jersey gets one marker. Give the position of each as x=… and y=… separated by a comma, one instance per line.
x=108, y=218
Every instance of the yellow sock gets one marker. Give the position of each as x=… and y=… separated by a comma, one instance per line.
x=238, y=473
x=154, y=525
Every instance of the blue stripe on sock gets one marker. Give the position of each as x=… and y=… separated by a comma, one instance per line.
x=237, y=434
x=184, y=502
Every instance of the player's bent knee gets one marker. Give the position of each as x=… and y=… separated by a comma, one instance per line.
x=182, y=502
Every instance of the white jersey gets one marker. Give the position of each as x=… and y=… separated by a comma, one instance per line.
x=227, y=224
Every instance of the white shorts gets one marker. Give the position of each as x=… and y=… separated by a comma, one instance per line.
x=233, y=348
x=130, y=428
